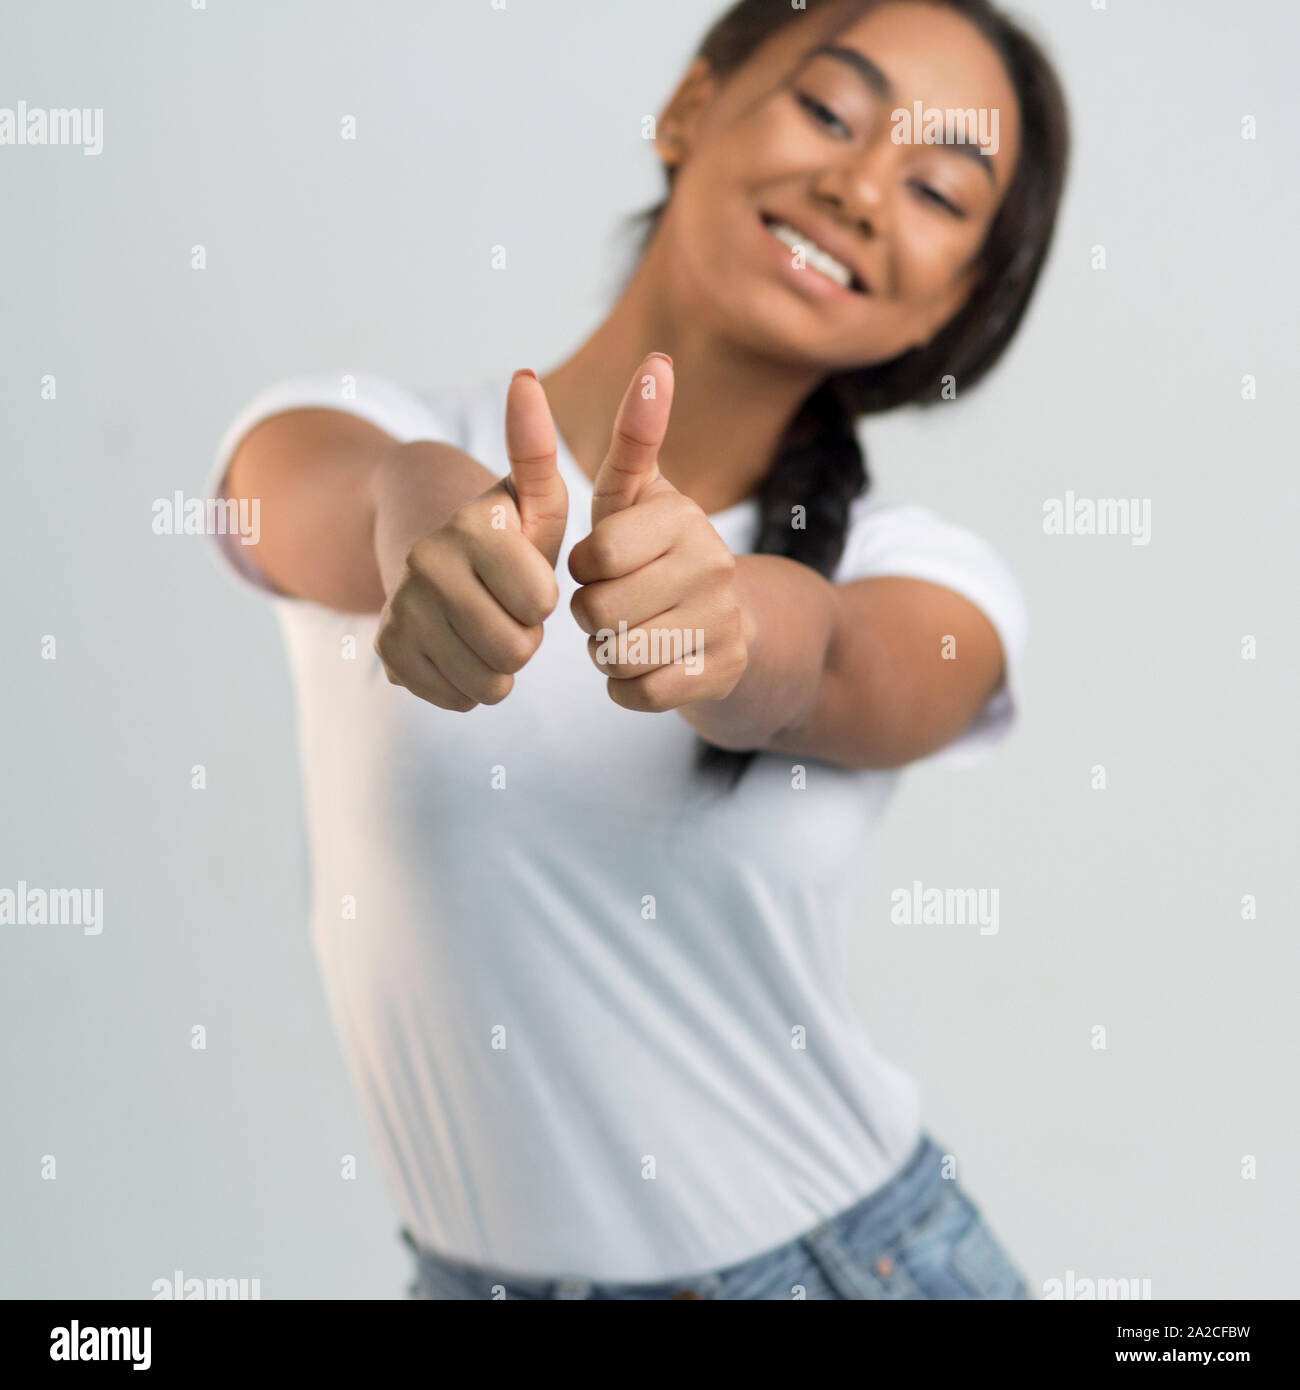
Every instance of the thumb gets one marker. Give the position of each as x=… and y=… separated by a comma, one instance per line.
x=535, y=480
x=639, y=429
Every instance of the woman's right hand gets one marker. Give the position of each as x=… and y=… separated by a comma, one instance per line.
x=465, y=610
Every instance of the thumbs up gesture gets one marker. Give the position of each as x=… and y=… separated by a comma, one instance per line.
x=467, y=612
x=658, y=596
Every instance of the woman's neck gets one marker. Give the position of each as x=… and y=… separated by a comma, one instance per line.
x=730, y=406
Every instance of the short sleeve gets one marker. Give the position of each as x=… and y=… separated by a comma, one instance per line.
x=401, y=413
x=907, y=540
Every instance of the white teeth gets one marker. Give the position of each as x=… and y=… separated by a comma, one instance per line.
x=813, y=254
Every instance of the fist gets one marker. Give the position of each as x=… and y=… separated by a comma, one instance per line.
x=658, y=596
x=467, y=613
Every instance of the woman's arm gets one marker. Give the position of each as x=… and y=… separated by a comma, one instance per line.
x=758, y=651
x=458, y=563
x=869, y=674
x=341, y=502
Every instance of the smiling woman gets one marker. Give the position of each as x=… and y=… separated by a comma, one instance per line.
x=911, y=264
x=596, y=1014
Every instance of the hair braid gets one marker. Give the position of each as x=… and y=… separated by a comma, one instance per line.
x=804, y=509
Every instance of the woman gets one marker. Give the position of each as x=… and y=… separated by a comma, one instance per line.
x=581, y=914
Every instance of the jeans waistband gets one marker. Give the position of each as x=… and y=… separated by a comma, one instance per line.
x=890, y=1209
x=898, y=1204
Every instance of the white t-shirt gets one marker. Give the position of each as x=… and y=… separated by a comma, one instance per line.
x=596, y=1008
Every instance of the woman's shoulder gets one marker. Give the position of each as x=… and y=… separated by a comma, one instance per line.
x=885, y=529
x=445, y=412
x=891, y=537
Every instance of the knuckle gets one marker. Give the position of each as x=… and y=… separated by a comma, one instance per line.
x=596, y=611
x=496, y=689
x=514, y=651
x=528, y=643
x=539, y=603
x=722, y=563
x=530, y=611
x=618, y=692
x=608, y=668
x=466, y=520
x=690, y=511
x=602, y=552
x=423, y=557
x=402, y=607
x=463, y=533
x=386, y=644
x=656, y=693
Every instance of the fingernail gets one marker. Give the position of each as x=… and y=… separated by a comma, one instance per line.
x=664, y=355
x=524, y=371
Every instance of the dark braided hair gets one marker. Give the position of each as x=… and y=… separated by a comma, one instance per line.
x=819, y=464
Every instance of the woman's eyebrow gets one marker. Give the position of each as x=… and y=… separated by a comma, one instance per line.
x=860, y=63
x=884, y=88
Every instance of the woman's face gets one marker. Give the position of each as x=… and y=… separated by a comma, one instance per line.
x=799, y=146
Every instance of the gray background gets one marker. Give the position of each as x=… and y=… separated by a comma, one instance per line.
x=477, y=127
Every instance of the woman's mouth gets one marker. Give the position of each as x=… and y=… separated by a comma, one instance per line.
x=816, y=258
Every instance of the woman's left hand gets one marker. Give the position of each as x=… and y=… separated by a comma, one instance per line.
x=659, y=598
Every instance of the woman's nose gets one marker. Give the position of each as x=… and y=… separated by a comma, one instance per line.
x=858, y=187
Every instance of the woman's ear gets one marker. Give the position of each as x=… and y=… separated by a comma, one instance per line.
x=678, y=125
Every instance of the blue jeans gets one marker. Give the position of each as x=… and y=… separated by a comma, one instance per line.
x=918, y=1236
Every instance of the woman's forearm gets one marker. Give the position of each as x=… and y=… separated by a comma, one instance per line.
x=788, y=614
x=338, y=498
x=870, y=674
x=416, y=488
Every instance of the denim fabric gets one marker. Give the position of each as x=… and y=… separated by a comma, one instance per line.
x=919, y=1236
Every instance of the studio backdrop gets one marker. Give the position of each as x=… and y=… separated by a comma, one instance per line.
x=431, y=192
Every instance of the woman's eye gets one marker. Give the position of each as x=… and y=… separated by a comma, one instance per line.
x=822, y=114
x=932, y=195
